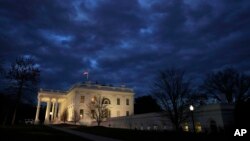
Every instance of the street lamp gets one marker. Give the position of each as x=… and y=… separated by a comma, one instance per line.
x=191, y=108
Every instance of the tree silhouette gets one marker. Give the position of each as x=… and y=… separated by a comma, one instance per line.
x=172, y=91
x=97, y=109
x=64, y=115
x=76, y=117
x=23, y=73
x=227, y=85
x=146, y=104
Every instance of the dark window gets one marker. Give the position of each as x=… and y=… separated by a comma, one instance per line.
x=127, y=113
x=93, y=114
x=82, y=99
x=107, y=113
x=127, y=101
x=118, y=101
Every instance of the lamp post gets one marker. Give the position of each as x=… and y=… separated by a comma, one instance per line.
x=191, y=108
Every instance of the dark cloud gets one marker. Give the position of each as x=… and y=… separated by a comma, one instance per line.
x=125, y=42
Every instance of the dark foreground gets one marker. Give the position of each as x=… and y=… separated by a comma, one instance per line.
x=35, y=133
x=131, y=135
x=44, y=133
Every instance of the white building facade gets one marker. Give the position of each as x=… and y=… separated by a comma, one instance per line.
x=121, y=102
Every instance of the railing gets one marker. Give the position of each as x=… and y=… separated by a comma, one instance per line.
x=94, y=86
x=52, y=91
x=90, y=86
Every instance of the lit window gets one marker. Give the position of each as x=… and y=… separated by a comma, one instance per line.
x=81, y=113
x=93, y=99
x=82, y=99
x=127, y=101
x=198, y=127
x=185, y=127
x=118, y=101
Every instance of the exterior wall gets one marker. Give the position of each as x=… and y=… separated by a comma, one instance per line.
x=111, y=95
x=149, y=121
x=221, y=114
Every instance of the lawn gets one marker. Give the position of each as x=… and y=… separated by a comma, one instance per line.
x=34, y=133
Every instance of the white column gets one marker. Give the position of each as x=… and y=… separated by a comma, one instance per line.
x=56, y=110
x=37, y=111
x=59, y=111
x=47, y=112
x=53, y=111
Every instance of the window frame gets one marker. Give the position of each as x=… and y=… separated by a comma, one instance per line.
x=82, y=99
x=118, y=101
x=127, y=101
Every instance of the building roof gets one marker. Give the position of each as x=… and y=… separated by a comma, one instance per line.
x=89, y=85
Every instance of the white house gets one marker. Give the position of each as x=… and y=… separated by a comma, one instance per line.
x=120, y=102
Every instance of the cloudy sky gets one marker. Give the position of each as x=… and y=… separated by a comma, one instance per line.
x=125, y=41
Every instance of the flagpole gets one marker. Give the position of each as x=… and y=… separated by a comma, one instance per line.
x=87, y=74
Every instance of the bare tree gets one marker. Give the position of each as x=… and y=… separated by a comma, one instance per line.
x=172, y=92
x=64, y=115
x=76, y=117
x=242, y=88
x=23, y=73
x=97, y=109
x=227, y=85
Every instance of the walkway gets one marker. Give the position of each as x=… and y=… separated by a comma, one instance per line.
x=83, y=135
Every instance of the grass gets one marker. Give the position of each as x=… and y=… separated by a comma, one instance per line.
x=34, y=133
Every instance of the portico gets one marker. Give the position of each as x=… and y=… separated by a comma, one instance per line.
x=54, y=106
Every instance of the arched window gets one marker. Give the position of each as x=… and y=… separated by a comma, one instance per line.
x=106, y=101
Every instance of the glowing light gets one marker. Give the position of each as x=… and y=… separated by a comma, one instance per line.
x=191, y=107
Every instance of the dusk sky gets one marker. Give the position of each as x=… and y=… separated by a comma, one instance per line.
x=125, y=41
